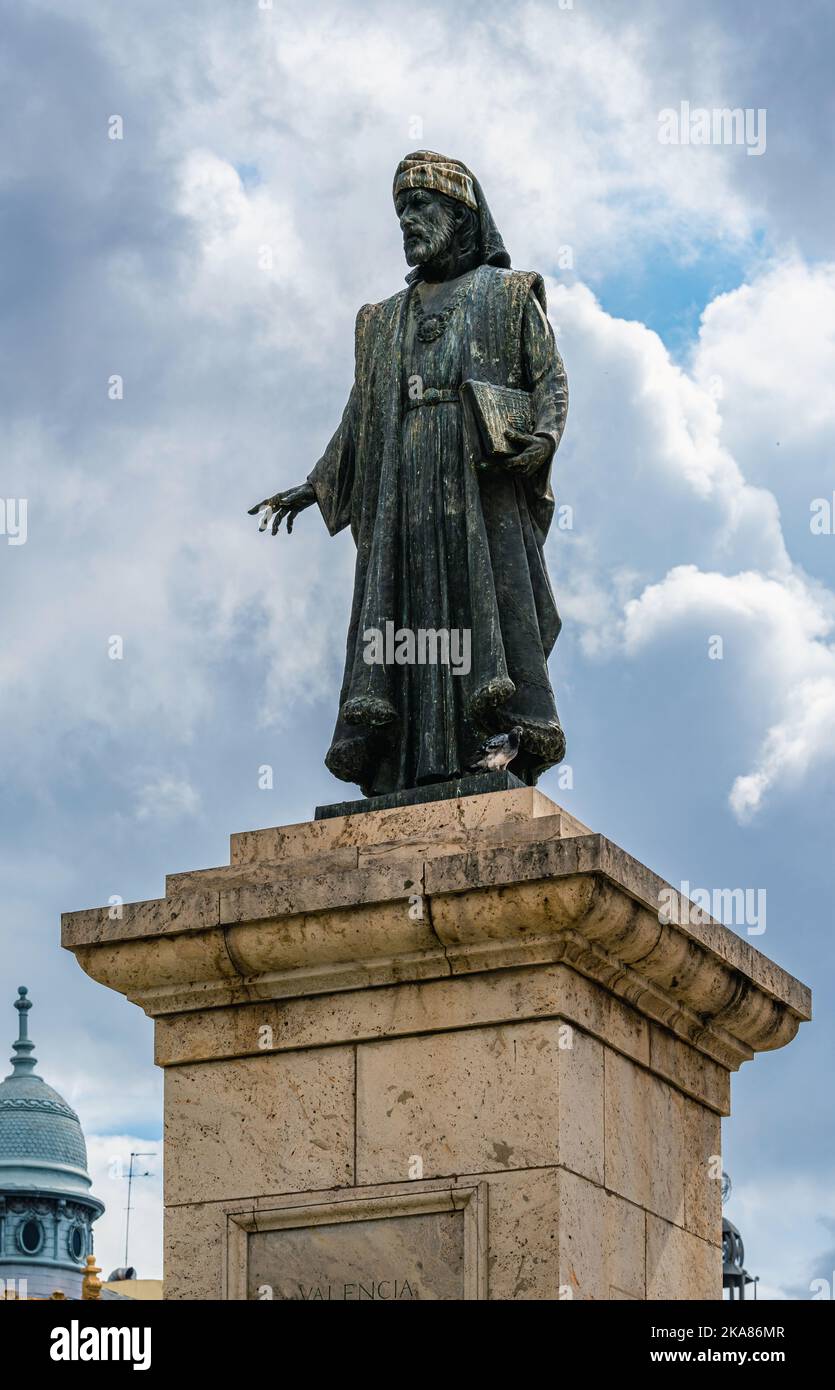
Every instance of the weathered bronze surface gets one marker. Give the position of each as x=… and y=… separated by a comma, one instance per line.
x=449, y=500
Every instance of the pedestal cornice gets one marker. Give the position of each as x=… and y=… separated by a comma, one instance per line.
x=505, y=881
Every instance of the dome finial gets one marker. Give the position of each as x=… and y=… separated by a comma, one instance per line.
x=22, y=1062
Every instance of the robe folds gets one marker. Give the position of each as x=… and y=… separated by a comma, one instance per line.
x=441, y=543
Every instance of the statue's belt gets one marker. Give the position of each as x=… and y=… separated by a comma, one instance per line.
x=433, y=395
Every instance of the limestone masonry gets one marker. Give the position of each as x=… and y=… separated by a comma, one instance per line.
x=443, y=1051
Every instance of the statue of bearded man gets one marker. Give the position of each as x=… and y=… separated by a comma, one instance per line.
x=441, y=467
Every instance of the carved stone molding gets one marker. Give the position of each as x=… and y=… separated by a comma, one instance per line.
x=523, y=885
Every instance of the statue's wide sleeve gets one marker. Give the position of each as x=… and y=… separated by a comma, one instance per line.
x=333, y=476
x=545, y=378
x=544, y=371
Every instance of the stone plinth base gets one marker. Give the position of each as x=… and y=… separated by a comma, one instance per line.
x=475, y=784
x=443, y=1051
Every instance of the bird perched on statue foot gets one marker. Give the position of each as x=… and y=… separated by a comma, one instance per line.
x=497, y=752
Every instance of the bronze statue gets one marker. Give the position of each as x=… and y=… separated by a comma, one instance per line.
x=441, y=466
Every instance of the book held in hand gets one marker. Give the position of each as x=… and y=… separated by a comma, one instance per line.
x=495, y=410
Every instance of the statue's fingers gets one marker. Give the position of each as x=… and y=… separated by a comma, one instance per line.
x=253, y=511
x=518, y=437
x=265, y=519
x=291, y=518
x=279, y=517
x=528, y=462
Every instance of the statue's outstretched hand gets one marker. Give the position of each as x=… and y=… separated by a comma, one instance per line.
x=284, y=504
x=534, y=451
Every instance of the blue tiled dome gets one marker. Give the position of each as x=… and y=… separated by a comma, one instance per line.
x=41, y=1140
x=48, y=1210
x=35, y=1122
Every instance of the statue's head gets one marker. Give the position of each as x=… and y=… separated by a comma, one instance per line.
x=434, y=224
x=443, y=213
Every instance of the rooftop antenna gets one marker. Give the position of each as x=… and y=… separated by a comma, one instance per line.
x=131, y=1176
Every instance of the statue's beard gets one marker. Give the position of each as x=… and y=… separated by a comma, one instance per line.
x=433, y=245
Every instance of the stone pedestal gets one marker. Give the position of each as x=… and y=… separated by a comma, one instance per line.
x=442, y=1051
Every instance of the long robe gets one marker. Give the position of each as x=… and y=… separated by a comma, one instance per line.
x=442, y=544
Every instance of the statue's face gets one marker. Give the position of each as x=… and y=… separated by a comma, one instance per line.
x=427, y=225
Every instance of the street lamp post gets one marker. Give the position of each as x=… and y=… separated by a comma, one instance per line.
x=734, y=1275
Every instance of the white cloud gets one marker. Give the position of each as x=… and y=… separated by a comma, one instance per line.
x=769, y=349
x=786, y=1222
x=672, y=536
x=651, y=442
x=771, y=345
x=789, y=668
x=801, y=740
x=324, y=102
x=166, y=799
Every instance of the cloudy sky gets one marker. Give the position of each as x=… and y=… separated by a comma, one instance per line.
x=213, y=258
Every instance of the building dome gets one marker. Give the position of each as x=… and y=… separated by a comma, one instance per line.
x=41, y=1141
x=37, y=1127
x=46, y=1210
